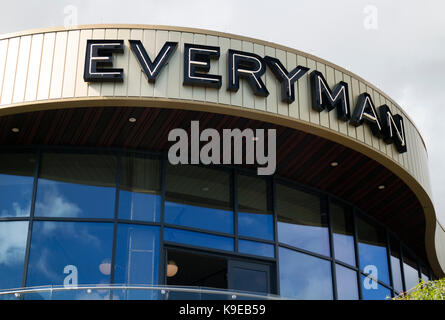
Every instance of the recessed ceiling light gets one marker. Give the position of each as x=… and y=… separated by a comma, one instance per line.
x=205, y=189
x=15, y=130
x=381, y=187
x=132, y=120
x=334, y=164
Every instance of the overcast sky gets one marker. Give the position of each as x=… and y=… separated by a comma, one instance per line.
x=398, y=45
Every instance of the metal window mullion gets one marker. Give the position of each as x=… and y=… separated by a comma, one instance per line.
x=326, y=207
x=388, y=254
x=402, y=267
x=234, y=196
x=162, y=277
x=116, y=214
x=357, y=255
x=31, y=217
x=271, y=185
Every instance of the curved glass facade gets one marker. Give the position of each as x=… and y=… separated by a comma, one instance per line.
x=76, y=217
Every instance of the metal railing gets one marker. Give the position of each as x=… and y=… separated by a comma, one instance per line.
x=129, y=292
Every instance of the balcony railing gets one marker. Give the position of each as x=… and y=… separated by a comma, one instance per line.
x=129, y=292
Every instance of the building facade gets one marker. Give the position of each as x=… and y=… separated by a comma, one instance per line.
x=92, y=207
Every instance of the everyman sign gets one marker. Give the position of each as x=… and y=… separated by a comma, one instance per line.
x=250, y=67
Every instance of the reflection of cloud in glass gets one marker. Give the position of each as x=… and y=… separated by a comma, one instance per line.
x=13, y=237
x=17, y=211
x=53, y=204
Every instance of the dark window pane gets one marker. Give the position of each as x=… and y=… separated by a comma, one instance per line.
x=13, y=236
x=198, y=239
x=343, y=234
x=76, y=185
x=410, y=269
x=372, y=249
x=347, y=287
x=300, y=222
x=137, y=258
x=374, y=291
x=304, y=277
x=395, y=265
x=254, y=218
x=256, y=248
x=139, y=194
x=70, y=253
x=16, y=182
x=198, y=197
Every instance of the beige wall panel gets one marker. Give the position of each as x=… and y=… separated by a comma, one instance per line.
x=94, y=88
x=3, y=58
x=342, y=125
x=174, y=70
x=236, y=98
x=81, y=85
x=304, y=102
x=22, y=69
x=260, y=102
x=314, y=116
x=11, y=66
x=134, y=68
x=34, y=67
x=294, y=111
x=69, y=77
x=58, y=69
x=46, y=65
x=350, y=128
x=248, y=96
x=186, y=92
x=212, y=93
x=271, y=100
x=107, y=88
x=199, y=93
x=324, y=115
x=332, y=115
x=122, y=61
x=283, y=107
x=223, y=94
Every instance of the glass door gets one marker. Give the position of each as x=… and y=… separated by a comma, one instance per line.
x=249, y=277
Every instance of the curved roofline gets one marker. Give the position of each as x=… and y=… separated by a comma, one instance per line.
x=215, y=33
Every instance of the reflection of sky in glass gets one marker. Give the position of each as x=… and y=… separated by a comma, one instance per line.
x=55, y=245
x=344, y=248
x=381, y=293
x=396, y=274
x=199, y=217
x=310, y=238
x=139, y=206
x=60, y=199
x=256, y=248
x=15, y=195
x=347, y=287
x=198, y=239
x=375, y=256
x=304, y=277
x=137, y=257
x=255, y=225
x=13, y=236
x=411, y=276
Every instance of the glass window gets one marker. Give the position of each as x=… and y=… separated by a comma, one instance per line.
x=70, y=253
x=199, y=239
x=139, y=194
x=343, y=233
x=372, y=249
x=198, y=197
x=304, y=277
x=425, y=274
x=254, y=218
x=16, y=183
x=373, y=290
x=410, y=270
x=395, y=265
x=347, y=287
x=76, y=185
x=300, y=221
x=13, y=236
x=256, y=248
x=137, y=258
